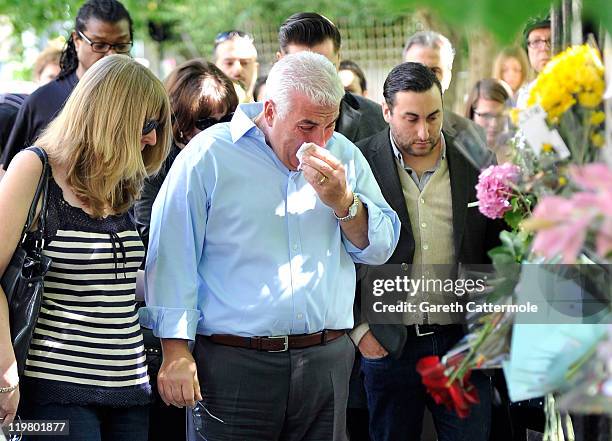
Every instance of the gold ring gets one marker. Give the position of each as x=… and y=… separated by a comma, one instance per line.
x=322, y=180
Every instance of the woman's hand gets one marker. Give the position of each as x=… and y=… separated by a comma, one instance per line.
x=9, y=400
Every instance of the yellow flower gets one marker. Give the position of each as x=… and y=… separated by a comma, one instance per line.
x=547, y=148
x=514, y=116
x=597, y=118
x=575, y=75
x=589, y=99
x=562, y=181
x=597, y=139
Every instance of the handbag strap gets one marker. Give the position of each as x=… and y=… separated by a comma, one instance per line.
x=41, y=191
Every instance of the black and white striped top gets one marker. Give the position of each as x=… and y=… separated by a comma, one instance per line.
x=87, y=346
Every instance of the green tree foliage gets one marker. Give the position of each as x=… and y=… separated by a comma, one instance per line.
x=197, y=22
x=504, y=18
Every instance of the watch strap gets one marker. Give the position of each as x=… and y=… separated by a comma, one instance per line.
x=352, y=210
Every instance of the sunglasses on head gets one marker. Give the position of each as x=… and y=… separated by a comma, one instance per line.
x=204, y=123
x=228, y=35
x=149, y=126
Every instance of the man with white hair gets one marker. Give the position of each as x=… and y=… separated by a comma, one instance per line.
x=436, y=52
x=252, y=251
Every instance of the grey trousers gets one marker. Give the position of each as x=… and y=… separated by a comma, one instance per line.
x=298, y=395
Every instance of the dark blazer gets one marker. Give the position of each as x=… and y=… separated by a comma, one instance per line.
x=474, y=234
x=359, y=117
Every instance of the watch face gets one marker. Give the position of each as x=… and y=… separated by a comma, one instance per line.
x=353, y=208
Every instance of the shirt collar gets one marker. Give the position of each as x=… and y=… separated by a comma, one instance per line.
x=243, y=120
x=400, y=158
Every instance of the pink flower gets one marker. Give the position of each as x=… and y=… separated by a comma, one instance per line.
x=494, y=189
x=603, y=241
x=566, y=222
x=597, y=177
x=563, y=224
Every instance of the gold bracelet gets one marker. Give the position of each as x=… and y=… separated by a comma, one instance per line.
x=5, y=390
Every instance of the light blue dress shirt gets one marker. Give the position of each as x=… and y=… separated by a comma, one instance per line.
x=239, y=244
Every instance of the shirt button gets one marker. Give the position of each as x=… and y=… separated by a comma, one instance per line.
x=422, y=200
x=295, y=247
x=425, y=247
x=300, y=316
x=424, y=225
x=404, y=266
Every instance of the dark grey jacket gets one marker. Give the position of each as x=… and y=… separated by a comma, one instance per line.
x=359, y=117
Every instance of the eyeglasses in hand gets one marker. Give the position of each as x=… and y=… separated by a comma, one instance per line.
x=199, y=413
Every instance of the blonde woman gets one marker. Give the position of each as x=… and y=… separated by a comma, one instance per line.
x=511, y=69
x=86, y=362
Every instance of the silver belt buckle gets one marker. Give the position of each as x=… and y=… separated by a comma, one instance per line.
x=285, y=342
x=421, y=334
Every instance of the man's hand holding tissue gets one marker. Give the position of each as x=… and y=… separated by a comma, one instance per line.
x=327, y=176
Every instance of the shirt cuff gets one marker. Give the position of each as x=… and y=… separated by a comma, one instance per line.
x=358, y=333
x=381, y=244
x=170, y=322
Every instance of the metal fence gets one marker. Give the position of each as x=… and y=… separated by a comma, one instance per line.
x=376, y=46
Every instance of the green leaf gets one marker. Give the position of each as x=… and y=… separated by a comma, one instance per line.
x=513, y=218
x=507, y=239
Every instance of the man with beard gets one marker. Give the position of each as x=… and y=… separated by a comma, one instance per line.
x=436, y=52
x=429, y=184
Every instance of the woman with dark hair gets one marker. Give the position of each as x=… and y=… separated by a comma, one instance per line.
x=486, y=106
x=200, y=96
x=102, y=27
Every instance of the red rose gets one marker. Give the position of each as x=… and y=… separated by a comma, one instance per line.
x=458, y=396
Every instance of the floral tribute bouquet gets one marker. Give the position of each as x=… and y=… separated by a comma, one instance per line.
x=556, y=201
x=591, y=381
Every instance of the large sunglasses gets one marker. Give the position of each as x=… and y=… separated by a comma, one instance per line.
x=204, y=123
x=149, y=126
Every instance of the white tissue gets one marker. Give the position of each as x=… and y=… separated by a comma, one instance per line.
x=303, y=149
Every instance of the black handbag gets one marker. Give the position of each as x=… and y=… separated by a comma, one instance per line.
x=22, y=280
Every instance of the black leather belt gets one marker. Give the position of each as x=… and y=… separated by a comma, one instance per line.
x=278, y=343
